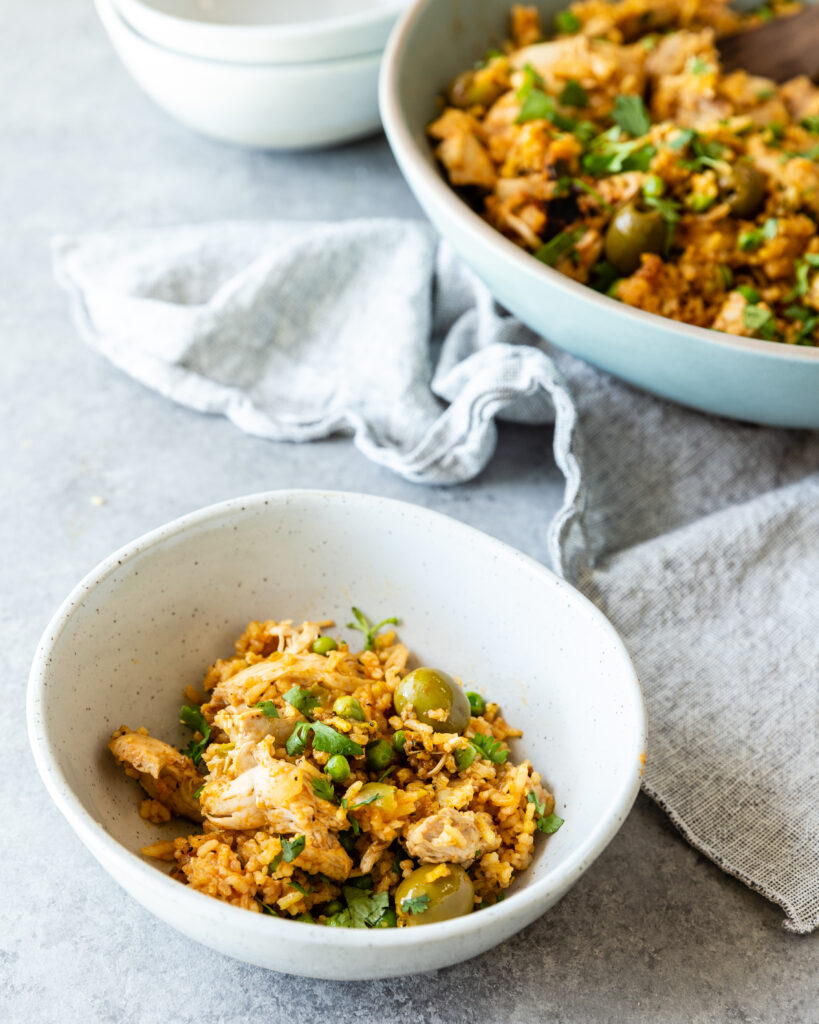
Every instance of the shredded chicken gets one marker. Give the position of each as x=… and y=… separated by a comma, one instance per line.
x=451, y=837
x=166, y=775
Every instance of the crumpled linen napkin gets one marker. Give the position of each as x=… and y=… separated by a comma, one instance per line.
x=698, y=537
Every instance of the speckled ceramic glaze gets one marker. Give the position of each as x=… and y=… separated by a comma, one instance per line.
x=148, y=620
x=747, y=379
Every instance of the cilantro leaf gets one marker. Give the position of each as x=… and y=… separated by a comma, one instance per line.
x=554, y=250
x=601, y=202
x=273, y=865
x=748, y=241
x=759, y=319
x=302, y=700
x=631, y=115
x=748, y=293
x=489, y=747
x=608, y=154
x=415, y=904
x=545, y=823
x=198, y=792
x=367, y=628
x=538, y=106
x=194, y=719
x=266, y=908
x=567, y=23
x=330, y=741
x=550, y=824
x=574, y=95
x=810, y=124
x=267, y=708
x=297, y=740
x=323, y=788
x=292, y=848
x=365, y=801
x=299, y=888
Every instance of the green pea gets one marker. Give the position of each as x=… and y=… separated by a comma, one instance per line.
x=477, y=704
x=338, y=768
x=350, y=708
x=399, y=740
x=306, y=918
x=431, y=690
x=333, y=907
x=653, y=186
x=380, y=755
x=323, y=645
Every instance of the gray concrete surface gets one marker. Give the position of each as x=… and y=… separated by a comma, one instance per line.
x=653, y=932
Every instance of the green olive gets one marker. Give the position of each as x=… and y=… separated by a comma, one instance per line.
x=323, y=645
x=430, y=689
x=349, y=707
x=748, y=185
x=338, y=768
x=379, y=755
x=420, y=901
x=632, y=232
x=377, y=793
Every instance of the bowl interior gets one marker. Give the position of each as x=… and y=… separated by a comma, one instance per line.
x=135, y=634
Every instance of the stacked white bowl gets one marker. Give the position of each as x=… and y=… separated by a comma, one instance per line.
x=273, y=74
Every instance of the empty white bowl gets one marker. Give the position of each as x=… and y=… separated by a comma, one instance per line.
x=265, y=31
x=267, y=106
x=148, y=620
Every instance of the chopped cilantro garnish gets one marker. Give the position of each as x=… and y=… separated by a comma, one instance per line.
x=604, y=276
x=682, y=138
x=699, y=204
x=298, y=888
x=330, y=741
x=347, y=839
x=550, y=824
x=367, y=628
x=323, y=788
x=574, y=95
x=607, y=154
x=266, y=908
x=297, y=740
x=753, y=239
x=698, y=66
x=766, y=94
x=273, y=865
x=325, y=738
x=669, y=209
x=415, y=904
x=760, y=320
x=567, y=23
x=489, y=747
x=546, y=823
x=365, y=908
x=749, y=293
x=194, y=719
x=292, y=848
x=464, y=756
x=538, y=106
x=810, y=124
x=267, y=708
x=302, y=700
x=198, y=792
x=554, y=250
x=631, y=115
x=727, y=275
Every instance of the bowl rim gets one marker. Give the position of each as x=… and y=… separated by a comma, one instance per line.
x=557, y=880
x=416, y=168
x=151, y=19
x=114, y=19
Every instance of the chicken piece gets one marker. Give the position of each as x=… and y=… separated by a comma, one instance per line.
x=251, y=725
x=801, y=97
x=273, y=793
x=525, y=25
x=603, y=69
x=451, y=837
x=461, y=150
x=673, y=52
x=164, y=773
x=324, y=854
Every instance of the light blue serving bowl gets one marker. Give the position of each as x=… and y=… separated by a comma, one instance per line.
x=746, y=379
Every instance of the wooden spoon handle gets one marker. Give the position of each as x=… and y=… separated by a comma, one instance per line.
x=779, y=49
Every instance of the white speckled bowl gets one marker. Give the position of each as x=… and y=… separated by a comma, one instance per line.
x=745, y=378
x=148, y=620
